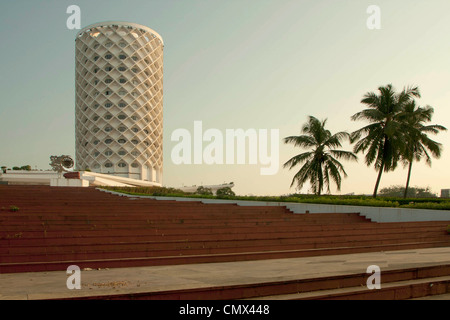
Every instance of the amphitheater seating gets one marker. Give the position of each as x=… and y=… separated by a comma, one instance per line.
x=56, y=227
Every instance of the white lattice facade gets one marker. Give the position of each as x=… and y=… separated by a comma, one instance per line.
x=119, y=101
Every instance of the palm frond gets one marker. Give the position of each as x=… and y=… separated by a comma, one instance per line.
x=346, y=155
x=298, y=159
x=304, y=141
x=371, y=115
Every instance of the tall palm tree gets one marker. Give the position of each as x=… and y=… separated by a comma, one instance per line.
x=417, y=143
x=320, y=165
x=382, y=138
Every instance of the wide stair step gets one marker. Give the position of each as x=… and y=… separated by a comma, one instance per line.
x=397, y=284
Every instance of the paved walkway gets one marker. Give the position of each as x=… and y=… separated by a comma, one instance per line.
x=44, y=285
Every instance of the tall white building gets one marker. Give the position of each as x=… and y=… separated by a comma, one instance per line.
x=119, y=100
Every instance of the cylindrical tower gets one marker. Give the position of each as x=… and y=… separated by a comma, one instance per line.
x=119, y=100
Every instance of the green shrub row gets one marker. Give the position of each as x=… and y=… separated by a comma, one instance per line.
x=428, y=205
x=436, y=204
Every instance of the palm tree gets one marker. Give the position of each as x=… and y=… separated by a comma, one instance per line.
x=417, y=142
x=382, y=138
x=320, y=165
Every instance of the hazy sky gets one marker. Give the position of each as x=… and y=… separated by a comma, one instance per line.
x=233, y=64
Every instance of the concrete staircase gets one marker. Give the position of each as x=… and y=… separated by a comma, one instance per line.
x=57, y=227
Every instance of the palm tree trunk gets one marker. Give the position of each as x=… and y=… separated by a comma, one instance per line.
x=320, y=181
x=319, y=188
x=375, y=191
x=378, y=180
x=407, y=180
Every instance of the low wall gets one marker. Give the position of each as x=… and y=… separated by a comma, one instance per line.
x=376, y=214
x=87, y=179
x=28, y=177
x=63, y=182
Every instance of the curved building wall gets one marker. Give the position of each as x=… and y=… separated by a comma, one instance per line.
x=119, y=101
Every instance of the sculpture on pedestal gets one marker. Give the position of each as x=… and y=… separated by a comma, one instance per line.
x=61, y=164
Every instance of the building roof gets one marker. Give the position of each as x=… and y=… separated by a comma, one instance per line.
x=119, y=23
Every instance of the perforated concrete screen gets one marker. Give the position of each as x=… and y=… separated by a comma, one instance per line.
x=119, y=100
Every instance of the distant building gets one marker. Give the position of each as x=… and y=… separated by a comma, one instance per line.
x=445, y=193
x=119, y=101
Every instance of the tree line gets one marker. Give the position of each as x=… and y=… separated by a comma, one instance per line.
x=396, y=133
x=25, y=168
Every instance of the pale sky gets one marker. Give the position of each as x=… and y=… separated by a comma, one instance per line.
x=250, y=64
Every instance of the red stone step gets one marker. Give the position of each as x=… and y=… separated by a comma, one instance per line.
x=183, y=232
x=38, y=239
x=137, y=262
x=184, y=249
x=110, y=244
